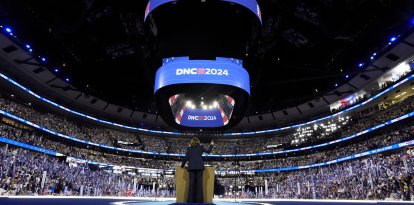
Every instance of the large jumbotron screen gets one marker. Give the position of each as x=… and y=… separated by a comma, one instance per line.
x=252, y=5
x=202, y=100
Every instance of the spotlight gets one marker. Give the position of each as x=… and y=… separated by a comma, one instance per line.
x=8, y=30
x=360, y=65
x=56, y=70
x=215, y=103
x=204, y=107
x=188, y=103
x=347, y=76
x=43, y=59
x=67, y=79
x=392, y=39
x=336, y=84
x=28, y=46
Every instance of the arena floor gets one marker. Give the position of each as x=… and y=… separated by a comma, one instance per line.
x=55, y=200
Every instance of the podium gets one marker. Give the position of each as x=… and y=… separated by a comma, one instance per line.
x=181, y=184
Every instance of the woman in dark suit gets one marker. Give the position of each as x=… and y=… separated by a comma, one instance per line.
x=195, y=169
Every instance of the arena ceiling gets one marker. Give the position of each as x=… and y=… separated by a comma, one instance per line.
x=303, y=50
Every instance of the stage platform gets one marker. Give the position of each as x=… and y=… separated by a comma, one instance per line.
x=59, y=200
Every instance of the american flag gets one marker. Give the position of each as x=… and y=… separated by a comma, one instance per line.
x=201, y=71
x=129, y=192
x=147, y=9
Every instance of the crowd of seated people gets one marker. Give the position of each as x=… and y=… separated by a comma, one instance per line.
x=382, y=176
x=379, y=177
x=222, y=146
x=357, y=125
x=348, y=104
x=259, y=145
x=36, y=138
x=22, y=171
x=382, y=86
x=103, y=135
x=96, y=134
x=28, y=173
x=398, y=134
x=380, y=140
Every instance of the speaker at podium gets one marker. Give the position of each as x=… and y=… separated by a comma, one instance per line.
x=182, y=184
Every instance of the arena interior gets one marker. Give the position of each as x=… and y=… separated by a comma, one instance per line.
x=307, y=102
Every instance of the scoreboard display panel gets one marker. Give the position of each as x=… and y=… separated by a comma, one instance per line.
x=201, y=93
x=181, y=70
x=252, y=5
x=195, y=87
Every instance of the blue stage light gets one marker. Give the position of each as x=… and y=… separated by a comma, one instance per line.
x=8, y=30
x=43, y=59
x=28, y=46
x=347, y=76
x=392, y=39
x=360, y=65
x=336, y=84
x=56, y=70
x=67, y=79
